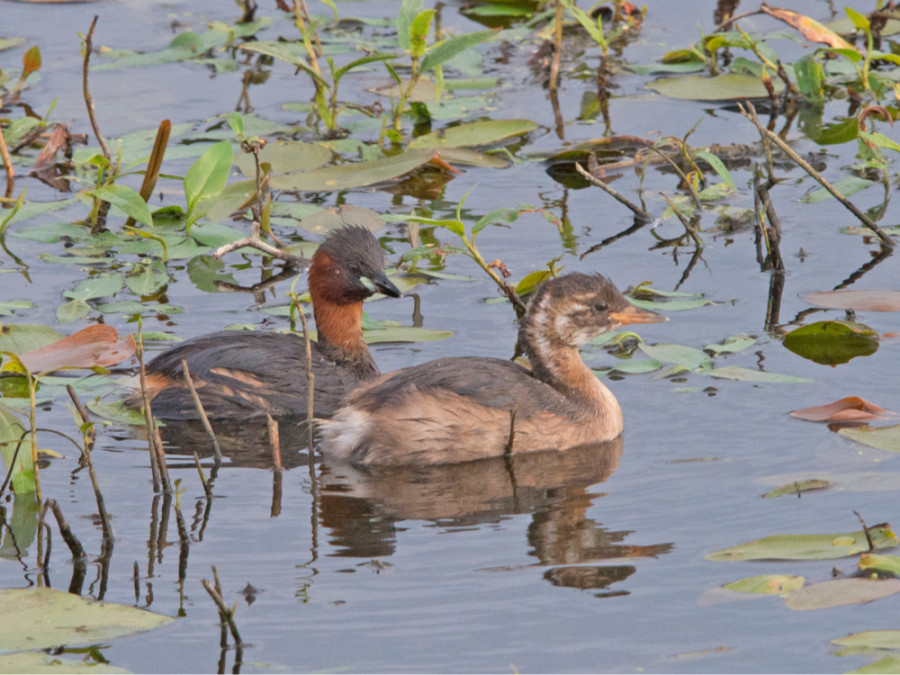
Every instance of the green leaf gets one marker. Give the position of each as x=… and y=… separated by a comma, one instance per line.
x=531, y=281
x=128, y=200
x=731, y=345
x=117, y=411
x=832, y=342
x=13, y=434
x=749, y=375
x=797, y=487
x=883, y=438
x=474, y=134
x=7, y=308
x=447, y=49
x=881, y=563
x=636, y=366
x=728, y=87
x=39, y=618
x=847, y=186
x=718, y=166
x=681, y=355
x=889, y=664
x=409, y=10
x=23, y=337
x=880, y=140
x=209, y=174
x=808, y=546
x=809, y=77
x=859, y=20
x=418, y=33
x=871, y=639
x=503, y=215
x=98, y=286
x=405, y=334
x=767, y=584
x=72, y=311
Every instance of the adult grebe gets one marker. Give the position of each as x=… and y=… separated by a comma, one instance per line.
x=459, y=409
x=239, y=375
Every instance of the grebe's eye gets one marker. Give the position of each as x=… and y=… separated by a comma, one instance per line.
x=600, y=307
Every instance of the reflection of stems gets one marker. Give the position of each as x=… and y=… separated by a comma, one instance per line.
x=227, y=615
x=689, y=226
x=65, y=532
x=750, y=114
x=770, y=234
x=206, y=487
x=557, y=46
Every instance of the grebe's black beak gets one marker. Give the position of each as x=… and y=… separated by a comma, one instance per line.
x=632, y=314
x=382, y=284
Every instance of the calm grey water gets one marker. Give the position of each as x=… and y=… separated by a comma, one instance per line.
x=588, y=564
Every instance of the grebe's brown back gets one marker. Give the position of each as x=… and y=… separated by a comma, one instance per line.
x=460, y=409
x=239, y=375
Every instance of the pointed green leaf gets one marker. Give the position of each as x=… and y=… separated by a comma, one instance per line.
x=808, y=546
x=128, y=200
x=681, y=355
x=883, y=438
x=209, y=174
x=446, y=50
x=749, y=375
x=767, y=584
x=841, y=592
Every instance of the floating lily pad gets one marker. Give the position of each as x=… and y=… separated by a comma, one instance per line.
x=286, y=157
x=871, y=639
x=39, y=618
x=831, y=343
x=99, y=286
x=767, y=584
x=40, y=662
x=889, y=664
x=883, y=438
x=636, y=366
x=841, y=592
x=808, y=546
x=474, y=134
x=23, y=337
x=117, y=411
x=97, y=345
x=728, y=87
x=797, y=487
x=405, y=334
x=681, y=355
x=731, y=345
x=847, y=409
x=883, y=563
x=330, y=219
x=859, y=300
x=361, y=174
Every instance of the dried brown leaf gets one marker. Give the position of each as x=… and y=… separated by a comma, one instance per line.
x=97, y=345
x=811, y=29
x=848, y=409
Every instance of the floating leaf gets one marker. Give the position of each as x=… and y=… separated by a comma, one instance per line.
x=327, y=220
x=841, y=592
x=72, y=311
x=405, y=334
x=871, y=639
x=98, y=286
x=767, y=584
x=889, y=664
x=728, y=87
x=749, y=375
x=117, y=411
x=808, y=546
x=798, y=486
x=731, y=345
x=681, y=355
x=447, y=49
x=832, y=342
x=636, y=366
x=847, y=186
x=531, y=280
x=23, y=337
x=848, y=409
x=361, y=174
x=863, y=481
x=882, y=563
x=7, y=308
x=474, y=134
x=39, y=618
x=97, y=345
x=883, y=438
x=286, y=156
x=857, y=300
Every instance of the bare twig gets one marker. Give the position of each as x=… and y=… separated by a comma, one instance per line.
x=227, y=615
x=310, y=384
x=199, y=405
x=750, y=113
x=274, y=442
x=254, y=241
x=637, y=210
x=88, y=99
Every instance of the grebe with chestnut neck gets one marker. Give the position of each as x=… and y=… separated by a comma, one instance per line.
x=241, y=375
x=465, y=408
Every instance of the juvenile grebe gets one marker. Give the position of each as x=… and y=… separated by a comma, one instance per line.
x=460, y=409
x=239, y=375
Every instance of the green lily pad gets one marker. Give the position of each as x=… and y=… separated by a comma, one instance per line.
x=797, y=487
x=889, y=664
x=99, y=286
x=7, y=308
x=474, y=134
x=680, y=355
x=405, y=334
x=731, y=345
x=39, y=618
x=361, y=174
x=847, y=186
x=23, y=337
x=728, y=87
x=285, y=157
x=117, y=411
x=749, y=375
x=841, y=592
x=883, y=563
x=636, y=366
x=871, y=639
x=832, y=342
x=883, y=438
x=808, y=546
x=767, y=584
x=327, y=220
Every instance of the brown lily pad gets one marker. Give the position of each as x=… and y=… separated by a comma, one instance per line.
x=848, y=409
x=875, y=300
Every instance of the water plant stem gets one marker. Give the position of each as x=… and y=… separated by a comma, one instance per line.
x=7, y=165
x=589, y=175
x=750, y=113
x=200, y=411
